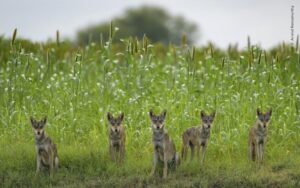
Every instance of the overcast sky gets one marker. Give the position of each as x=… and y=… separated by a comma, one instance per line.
x=268, y=22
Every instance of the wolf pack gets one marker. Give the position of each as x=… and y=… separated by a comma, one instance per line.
x=164, y=150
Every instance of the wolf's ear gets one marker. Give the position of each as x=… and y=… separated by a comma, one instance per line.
x=269, y=112
x=109, y=116
x=151, y=114
x=213, y=114
x=44, y=120
x=121, y=116
x=258, y=112
x=164, y=113
x=202, y=114
x=32, y=120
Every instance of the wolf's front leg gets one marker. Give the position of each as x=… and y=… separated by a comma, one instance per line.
x=112, y=153
x=122, y=153
x=250, y=152
x=203, y=153
x=38, y=164
x=261, y=148
x=155, y=159
x=184, y=151
x=51, y=163
x=198, y=152
x=257, y=151
x=56, y=162
x=192, y=151
x=165, y=173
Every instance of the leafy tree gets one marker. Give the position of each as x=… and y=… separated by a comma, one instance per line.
x=156, y=23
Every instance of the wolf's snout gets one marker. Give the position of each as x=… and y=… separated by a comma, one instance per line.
x=38, y=132
x=208, y=126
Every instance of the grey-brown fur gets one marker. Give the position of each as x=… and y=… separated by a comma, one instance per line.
x=46, y=150
x=117, y=137
x=197, y=137
x=258, y=135
x=164, y=147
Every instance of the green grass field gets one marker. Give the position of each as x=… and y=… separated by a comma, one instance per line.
x=76, y=86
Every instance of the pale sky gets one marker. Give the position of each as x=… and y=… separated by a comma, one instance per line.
x=267, y=22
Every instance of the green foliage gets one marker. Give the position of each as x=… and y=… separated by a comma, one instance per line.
x=155, y=22
x=76, y=87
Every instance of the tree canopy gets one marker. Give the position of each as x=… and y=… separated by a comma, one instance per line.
x=156, y=23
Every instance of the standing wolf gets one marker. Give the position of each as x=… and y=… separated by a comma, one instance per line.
x=117, y=137
x=164, y=147
x=258, y=135
x=45, y=149
x=197, y=137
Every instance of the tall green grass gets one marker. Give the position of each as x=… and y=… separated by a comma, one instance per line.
x=75, y=88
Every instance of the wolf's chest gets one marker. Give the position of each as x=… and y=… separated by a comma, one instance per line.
x=203, y=137
x=159, y=145
x=202, y=142
x=41, y=150
x=115, y=143
x=160, y=150
x=44, y=155
x=115, y=140
x=261, y=139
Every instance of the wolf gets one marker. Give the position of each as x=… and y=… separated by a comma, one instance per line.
x=117, y=137
x=46, y=150
x=258, y=135
x=164, y=147
x=197, y=137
